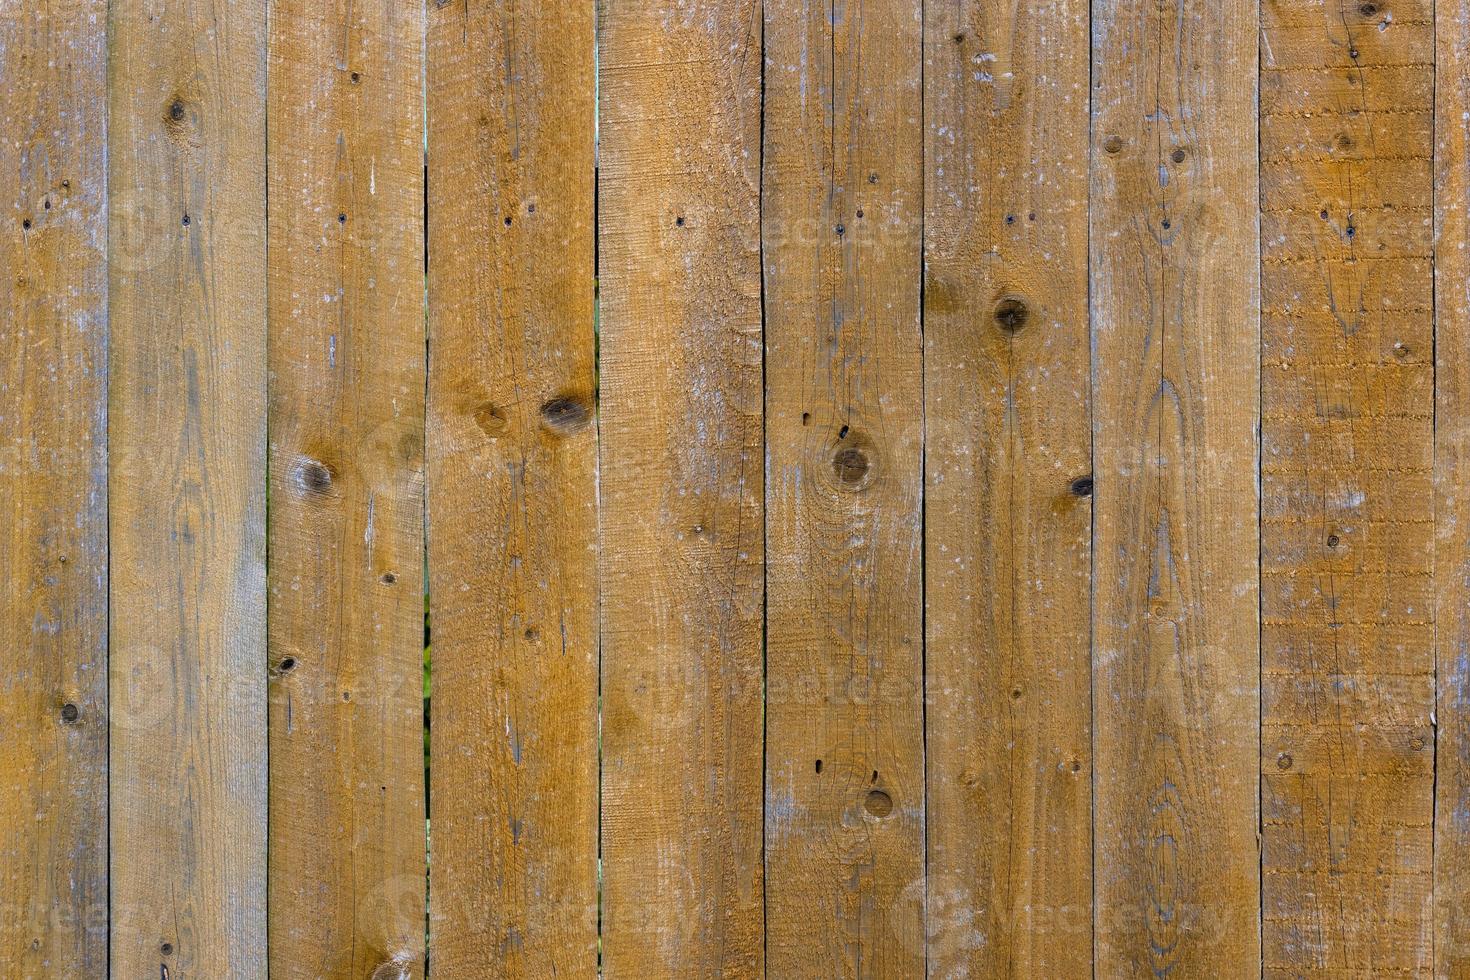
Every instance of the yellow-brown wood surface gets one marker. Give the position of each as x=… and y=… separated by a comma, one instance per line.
x=512, y=491
x=1175, y=297
x=1008, y=515
x=1347, y=508
x=346, y=405
x=841, y=210
x=187, y=460
x=53, y=491
x=681, y=467
x=1451, y=849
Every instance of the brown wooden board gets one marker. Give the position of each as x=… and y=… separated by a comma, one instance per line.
x=53, y=490
x=1008, y=510
x=841, y=210
x=187, y=489
x=1175, y=328
x=346, y=403
x=682, y=488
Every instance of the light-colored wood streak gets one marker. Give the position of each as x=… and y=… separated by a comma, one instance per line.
x=53, y=490
x=346, y=405
x=681, y=488
x=1346, y=427
x=841, y=207
x=1175, y=297
x=1451, y=378
x=187, y=459
x=512, y=490
x=1008, y=516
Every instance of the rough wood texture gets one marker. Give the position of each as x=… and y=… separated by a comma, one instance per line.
x=1346, y=547
x=1175, y=312
x=187, y=453
x=53, y=491
x=346, y=406
x=1008, y=510
x=681, y=504
x=841, y=208
x=512, y=495
x=1451, y=881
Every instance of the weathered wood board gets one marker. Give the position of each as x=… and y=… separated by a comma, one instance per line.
x=1175, y=313
x=187, y=489
x=512, y=490
x=346, y=406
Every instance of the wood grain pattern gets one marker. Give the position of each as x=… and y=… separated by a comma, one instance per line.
x=1347, y=431
x=1008, y=515
x=1451, y=847
x=186, y=173
x=1175, y=296
x=682, y=488
x=53, y=490
x=841, y=203
x=512, y=496
x=346, y=405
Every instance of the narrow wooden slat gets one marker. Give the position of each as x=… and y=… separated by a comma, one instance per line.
x=1008, y=520
x=1347, y=430
x=1175, y=272
x=681, y=488
x=512, y=490
x=841, y=208
x=53, y=490
x=346, y=405
x=187, y=458
x=1451, y=843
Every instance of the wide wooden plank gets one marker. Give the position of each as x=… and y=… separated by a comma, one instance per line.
x=681, y=488
x=1450, y=882
x=1175, y=378
x=512, y=489
x=53, y=490
x=1008, y=515
x=187, y=274
x=346, y=404
x=1347, y=402
x=841, y=200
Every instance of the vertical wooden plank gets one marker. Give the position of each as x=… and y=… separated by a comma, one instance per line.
x=1175, y=273
x=841, y=193
x=1347, y=434
x=512, y=489
x=346, y=405
x=53, y=490
x=1451, y=878
x=186, y=169
x=682, y=486
x=1008, y=495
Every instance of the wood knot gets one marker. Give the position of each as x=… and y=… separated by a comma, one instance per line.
x=70, y=713
x=1284, y=761
x=491, y=419
x=878, y=803
x=565, y=414
x=1011, y=314
x=1113, y=144
x=315, y=477
x=1081, y=487
x=1368, y=9
x=851, y=465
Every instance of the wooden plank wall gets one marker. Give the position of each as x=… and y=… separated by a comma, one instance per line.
x=971, y=488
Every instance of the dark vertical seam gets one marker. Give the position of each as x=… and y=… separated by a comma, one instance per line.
x=1260, y=538
x=266, y=479
x=426, y=733
x=765, y=484
x=597, y=9
x=1096, y=493
x=1434, y=481
x=923, y=497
